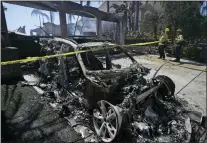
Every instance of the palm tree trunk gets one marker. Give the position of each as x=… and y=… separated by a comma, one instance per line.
x=51, y=20
x=40, y=20
x=81, y=31
x=76, y=25
x=155, y=32
x=88, y=3
x=51, y=17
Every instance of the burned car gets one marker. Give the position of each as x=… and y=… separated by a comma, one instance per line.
x=115, y=95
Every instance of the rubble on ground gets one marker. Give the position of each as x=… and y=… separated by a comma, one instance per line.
x=74, y=84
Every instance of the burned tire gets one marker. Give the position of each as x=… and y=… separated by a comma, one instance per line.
x=167, y=89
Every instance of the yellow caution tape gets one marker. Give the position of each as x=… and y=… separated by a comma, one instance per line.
x=142, y=44
x=70, y=53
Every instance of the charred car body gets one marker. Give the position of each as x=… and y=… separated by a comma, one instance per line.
x=119, y=96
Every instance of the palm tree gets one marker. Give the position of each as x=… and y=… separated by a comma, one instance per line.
x=52, y=20
x=5, y=9
x=52, y=17
x=76, y=25
x=70, y=18
x=88, y=3
x=40, y=14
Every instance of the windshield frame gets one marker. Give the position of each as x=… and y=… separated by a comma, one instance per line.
x=106, y=51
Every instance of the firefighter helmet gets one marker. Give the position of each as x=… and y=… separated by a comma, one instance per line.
x=167, y=29
x=179, y=30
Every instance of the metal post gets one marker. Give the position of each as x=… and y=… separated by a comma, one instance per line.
x=63, y=24
x=3, y=19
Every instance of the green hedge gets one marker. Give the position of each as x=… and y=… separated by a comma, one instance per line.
x=192, y=52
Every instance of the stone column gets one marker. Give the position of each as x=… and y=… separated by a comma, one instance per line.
x=63, y=24
x=136, y=23
x=107, y=3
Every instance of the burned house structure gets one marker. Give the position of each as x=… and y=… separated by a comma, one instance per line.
x=89, y=83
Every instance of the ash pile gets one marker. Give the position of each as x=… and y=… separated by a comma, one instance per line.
x=103, y=101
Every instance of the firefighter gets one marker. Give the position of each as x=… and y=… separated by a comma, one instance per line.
x=163, y=43
x=179, y=42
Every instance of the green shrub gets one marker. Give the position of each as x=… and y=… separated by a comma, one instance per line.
x=192, y=52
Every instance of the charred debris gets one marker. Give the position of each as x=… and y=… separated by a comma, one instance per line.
x=101, y=100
